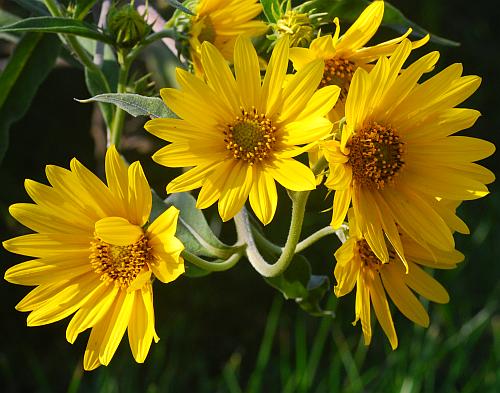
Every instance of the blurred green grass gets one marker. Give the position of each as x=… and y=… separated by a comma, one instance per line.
x=230, y=332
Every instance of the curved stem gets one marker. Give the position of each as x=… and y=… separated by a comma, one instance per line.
x=244, y=230
x=258, y=262
x=308, y=241
x=213, y=266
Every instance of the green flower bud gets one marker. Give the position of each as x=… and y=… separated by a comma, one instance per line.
x=127, y=26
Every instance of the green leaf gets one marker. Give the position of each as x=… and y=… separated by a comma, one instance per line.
x=28, y=67
x=317, y=287
x=50, y=24
x=349, y=10
x=193, y=229
x=271, y=9
x=135, y=104
x=179, y=6
x=293, y=282
x=299, y=284
x=83, y=7
x=6, y=18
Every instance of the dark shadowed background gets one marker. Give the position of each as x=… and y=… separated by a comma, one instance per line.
x=231, y=332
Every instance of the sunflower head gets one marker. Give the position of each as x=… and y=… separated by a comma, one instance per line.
x=95, y=255
x=358, y=266
x=240, y=132
x=396, y=156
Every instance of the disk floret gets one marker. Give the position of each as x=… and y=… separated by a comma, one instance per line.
x=376, y=155
x=119, y=264
x=338, y=71
x=251, y=137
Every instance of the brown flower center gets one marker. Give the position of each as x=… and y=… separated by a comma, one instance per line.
x=119, y=264
x=251, y=137
x=368, y=257
x=376, y=155
x=338, y=71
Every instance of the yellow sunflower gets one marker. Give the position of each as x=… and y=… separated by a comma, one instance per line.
x=342, y=55
x=95, y=254
x=220, y=22
x=396, y=156
x=358, y=266
x=241, y=134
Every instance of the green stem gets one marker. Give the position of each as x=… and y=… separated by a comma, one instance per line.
x=213, y=266
x=119, y=115
x=75, y=46
x=244, y=230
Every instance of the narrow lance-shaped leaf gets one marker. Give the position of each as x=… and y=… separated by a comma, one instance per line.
x=28, y=67
x=50, y=24
x=179, y=6
x=135, y=104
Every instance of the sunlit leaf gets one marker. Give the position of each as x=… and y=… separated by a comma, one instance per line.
x=134, y=104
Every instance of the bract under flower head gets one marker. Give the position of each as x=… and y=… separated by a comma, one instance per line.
x=396, y=156
x=95, y=255
x=241, y=133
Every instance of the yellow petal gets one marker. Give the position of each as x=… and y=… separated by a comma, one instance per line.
x=382, y=311
x=300, y=88
x=219, y=76
x=92, y=311
x=117, y=231
x=426, y=285
x=214, y=184
x=306, y=130
x=116, y=177
x=403, y=298
x=139, y=195
x=65, y=302
x=263, y=195
x=275, y=75
x=235, y=191
x=322, y=101
x=341, y=202
x=292, y=174
x=363, y=29
x=247, y=69
x=48, y=269
x=194, y=178
x=139, y=333
x=118, y=321
x=165, y=225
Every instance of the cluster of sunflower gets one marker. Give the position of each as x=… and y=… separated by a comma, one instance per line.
x=382, y=140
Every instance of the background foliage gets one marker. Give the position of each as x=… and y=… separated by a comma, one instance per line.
x=230, y=332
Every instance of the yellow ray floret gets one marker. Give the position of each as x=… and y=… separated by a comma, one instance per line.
x=95, y=255
x=343, y=54
x=357, y=266
x=240, y=134
x=396, y=155
x=220, y=22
